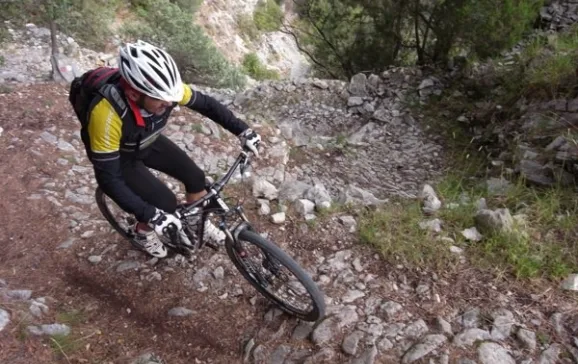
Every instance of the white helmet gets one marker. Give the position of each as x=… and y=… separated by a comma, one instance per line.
x=151, y=71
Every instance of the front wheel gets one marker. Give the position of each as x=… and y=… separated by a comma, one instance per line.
x=276, y=276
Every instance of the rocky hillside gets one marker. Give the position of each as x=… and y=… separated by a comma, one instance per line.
x=72, y=291
x=277, y=50
x=84, y=298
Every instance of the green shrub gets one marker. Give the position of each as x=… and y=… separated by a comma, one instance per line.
x=247, y=27
x=553, y=66
x=168, y=26
x=268, y=16
x=89, y=22
x=256, y=69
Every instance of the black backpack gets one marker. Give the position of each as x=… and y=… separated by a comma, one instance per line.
x=91, y=87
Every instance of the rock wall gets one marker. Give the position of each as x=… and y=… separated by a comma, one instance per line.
x=275, y=49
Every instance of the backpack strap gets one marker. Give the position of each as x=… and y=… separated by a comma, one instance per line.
x=111, y=93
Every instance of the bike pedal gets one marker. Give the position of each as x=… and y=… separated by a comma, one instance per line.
x=212, y=245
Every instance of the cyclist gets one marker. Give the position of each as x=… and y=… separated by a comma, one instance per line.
x=121, y=152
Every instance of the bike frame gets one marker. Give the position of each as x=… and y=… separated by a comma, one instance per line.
x=213, y=202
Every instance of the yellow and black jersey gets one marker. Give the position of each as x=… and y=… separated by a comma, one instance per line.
x=110, y=138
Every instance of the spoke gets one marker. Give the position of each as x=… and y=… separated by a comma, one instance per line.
x=280, y=283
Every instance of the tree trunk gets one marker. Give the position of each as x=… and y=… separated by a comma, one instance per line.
x=53, y=37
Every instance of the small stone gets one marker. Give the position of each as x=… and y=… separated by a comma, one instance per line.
x=280, y=354
x=264, y=208
x=4, y=319
x=492, y=353
x=154, y=276
x=384, y=345
x=557, y=321
x=346, y=316
x=302, y=331
x=488, y=221
x=470, y=318
x=219, y=273
x=551, y=355
x=325, y=355
x=456, y=250
x=20, y=294
x=472, y=234
x=95, y=259
x=354, y=101
x=180, y=312
x=357, y=265
x=503, y=322
x=310, y=217
x=49, y=138
x=320, y=84
x=469, y=336
x=349, y=222
x=352, y=296
x=67, y=244
x=443, y=326
x=87, y=234
x=304, y=207
x=430, y=200
x=248, y=349
x=55, y=330
x=129, y=265
x=434, y=225
x=368, y=357
x=148, y=358
x=351, y=342
x=527, y=338
x=416, y=329
x=390, y=309
x=570, y=283
x=38, y=309
x=278, y=218
x=423, y=348
x=65, y=146
x=324, y=332
x=265, y=189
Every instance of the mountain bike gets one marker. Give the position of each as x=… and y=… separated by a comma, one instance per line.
x=276, y=275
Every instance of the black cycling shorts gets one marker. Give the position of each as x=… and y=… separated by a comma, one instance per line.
x=164, y=156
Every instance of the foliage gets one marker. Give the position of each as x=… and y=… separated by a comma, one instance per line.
x=166, y=25
x=268, y=16
x=344, y=37
x=496, y=25
x=256, y=69
x=551, y=65
x=87, y=21
x=247, y=27
x=542, y=244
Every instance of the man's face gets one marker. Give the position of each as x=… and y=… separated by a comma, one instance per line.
x=154, y=106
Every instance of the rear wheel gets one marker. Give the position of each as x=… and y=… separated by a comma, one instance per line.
x=121, y=221
x=276, y=276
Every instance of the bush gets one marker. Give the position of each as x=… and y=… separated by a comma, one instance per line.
x=168, y=26
x=256, y=69
x=89, y=22
x=345, y=37
x=247, y=27
x=552, y=68
x=268, y=16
